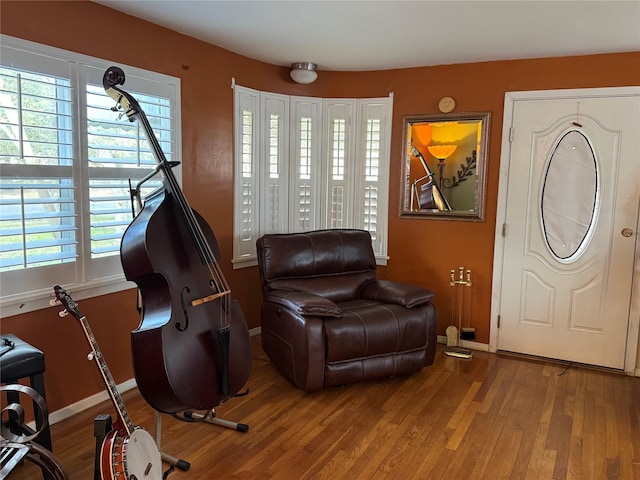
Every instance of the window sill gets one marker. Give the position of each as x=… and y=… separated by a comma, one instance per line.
x=238, y=263
x=37, y=300
x=381, y=260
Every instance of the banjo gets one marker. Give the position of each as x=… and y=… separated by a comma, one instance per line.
x=128, y=452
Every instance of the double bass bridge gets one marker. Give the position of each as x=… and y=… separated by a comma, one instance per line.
x=209, y=298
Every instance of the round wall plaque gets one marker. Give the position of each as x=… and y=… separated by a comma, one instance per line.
x=446, y=104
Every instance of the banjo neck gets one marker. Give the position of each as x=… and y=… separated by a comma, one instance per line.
x=123, y=416
x=123, y=423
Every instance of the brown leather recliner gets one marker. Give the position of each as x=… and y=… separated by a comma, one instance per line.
x=326, y=318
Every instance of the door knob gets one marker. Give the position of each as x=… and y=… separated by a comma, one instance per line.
x=626, y=232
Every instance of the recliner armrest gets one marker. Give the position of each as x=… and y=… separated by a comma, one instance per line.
x=304, y=303
x=404, y=294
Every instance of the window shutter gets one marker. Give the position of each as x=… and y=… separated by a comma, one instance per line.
x=305, y=165
x=246, y=214
x=119, y=155
x=372, y=154
x=274, y=171
x=38, y=222
x=340, y=163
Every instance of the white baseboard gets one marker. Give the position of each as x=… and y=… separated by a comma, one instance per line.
x=481, y=347
x=89, y=402
x=254, y=332
x=85, y=403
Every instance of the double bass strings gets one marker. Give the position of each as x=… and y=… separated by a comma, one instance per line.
x=219, y=282
x=194, y=227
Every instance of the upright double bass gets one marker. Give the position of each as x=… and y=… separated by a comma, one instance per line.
x=430, y=196
x=192, y=348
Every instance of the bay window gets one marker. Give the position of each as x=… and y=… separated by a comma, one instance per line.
x=304, y=163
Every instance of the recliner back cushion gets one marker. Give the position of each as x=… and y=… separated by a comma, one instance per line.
x=330, y=263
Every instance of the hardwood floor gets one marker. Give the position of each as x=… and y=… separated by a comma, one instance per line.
x=489, y=417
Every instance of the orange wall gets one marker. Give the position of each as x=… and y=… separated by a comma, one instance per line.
x=421, y=251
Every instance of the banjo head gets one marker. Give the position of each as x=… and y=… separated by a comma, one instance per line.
x=142, y=457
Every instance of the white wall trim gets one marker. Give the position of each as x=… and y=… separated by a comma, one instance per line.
x=254, y=332
x=93, y=400
x=85, y=403
x=501, y=215
x=481, y=347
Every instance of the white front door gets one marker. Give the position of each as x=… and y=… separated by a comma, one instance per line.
x=570, y=228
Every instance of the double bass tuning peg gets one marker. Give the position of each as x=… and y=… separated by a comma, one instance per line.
x=118, y=109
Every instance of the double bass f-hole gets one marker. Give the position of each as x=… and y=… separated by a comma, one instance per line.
x=184, y=310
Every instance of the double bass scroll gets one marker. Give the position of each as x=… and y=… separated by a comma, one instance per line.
x=192, y=348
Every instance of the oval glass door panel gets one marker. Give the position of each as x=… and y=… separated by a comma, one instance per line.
x=569, y=196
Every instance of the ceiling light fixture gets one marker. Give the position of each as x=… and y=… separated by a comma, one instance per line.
x=303, y=72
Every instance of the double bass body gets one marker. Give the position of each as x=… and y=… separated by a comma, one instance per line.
x=176, y=354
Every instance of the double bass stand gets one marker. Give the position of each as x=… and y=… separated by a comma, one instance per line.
x=209, y=417
x=171, y=460
x=102, y=425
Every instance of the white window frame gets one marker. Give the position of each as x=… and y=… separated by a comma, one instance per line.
x=309, y=181
x=86, y=277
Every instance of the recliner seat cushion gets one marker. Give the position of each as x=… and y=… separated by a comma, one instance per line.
x=372, y=368
x=374, y=340
x=369, y=328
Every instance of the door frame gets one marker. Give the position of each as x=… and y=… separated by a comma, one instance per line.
x=633, y=329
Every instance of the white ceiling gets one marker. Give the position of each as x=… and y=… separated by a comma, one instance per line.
x=379, y=35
